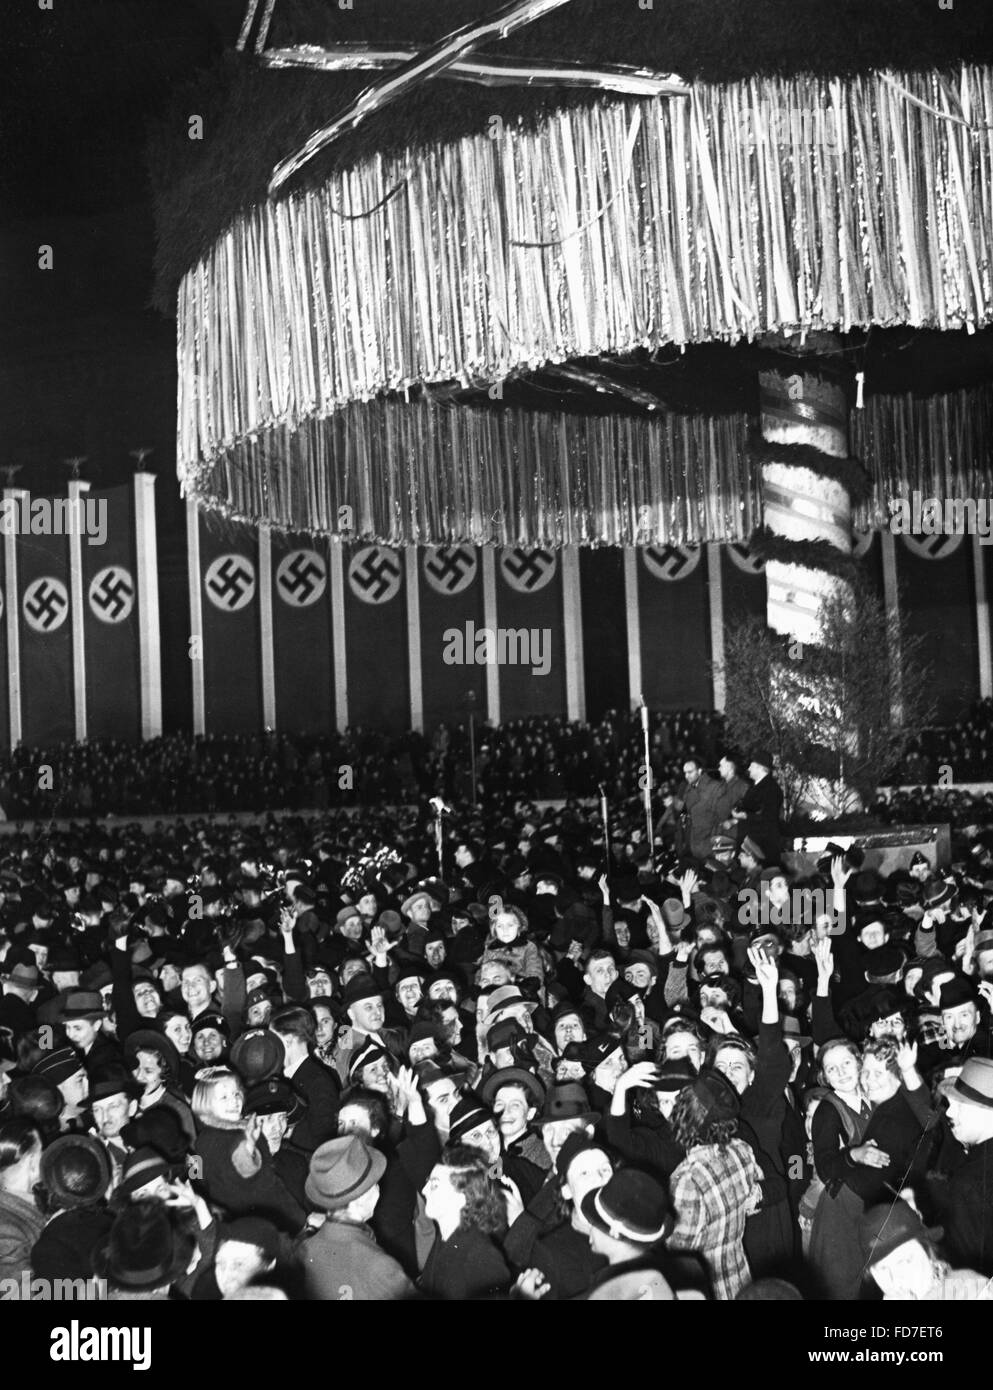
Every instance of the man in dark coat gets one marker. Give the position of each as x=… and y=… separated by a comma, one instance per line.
x=964, y=1202
x=760, y=810
x=295, y=1028
x=698, y=797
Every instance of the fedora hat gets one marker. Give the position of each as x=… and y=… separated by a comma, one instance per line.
x=75, y=1169
x=82, y=1003
x=974, y=1082
x=141, y=1167
x=506, y=997
x=631, y=1206
x=567, y=1101
x=145, y=1249
x=23, y=975
x=512, y=1076
x=341, y=1170
x=885, y=1228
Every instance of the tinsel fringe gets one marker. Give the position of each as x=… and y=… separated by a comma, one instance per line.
x=712, y=222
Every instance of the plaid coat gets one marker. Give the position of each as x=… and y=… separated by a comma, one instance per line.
x=714, y=1190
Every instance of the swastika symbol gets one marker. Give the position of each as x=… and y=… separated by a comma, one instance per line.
x=301, y=578
x=45, y=604
x=527, y=571
x=744, y=559
x=112, y=594
x=671, y=561
x=450, y=568
x=230, y=582
x=374, y=574
x=934, y=547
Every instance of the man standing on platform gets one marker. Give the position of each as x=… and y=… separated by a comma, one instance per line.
x=760, y=809
x=697, y=798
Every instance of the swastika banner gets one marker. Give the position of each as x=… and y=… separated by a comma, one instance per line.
x=675, y=627
x=110, y=622
x=529, y=601
x=375, y=600
x=45, y=628
x=451, y=596
x=229, y=587
x=302, y=634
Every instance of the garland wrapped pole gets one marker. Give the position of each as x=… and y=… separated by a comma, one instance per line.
x=807, y=514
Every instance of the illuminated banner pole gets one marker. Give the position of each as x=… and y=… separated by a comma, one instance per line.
x=648, y=777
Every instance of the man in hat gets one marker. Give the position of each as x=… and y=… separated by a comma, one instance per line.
x=342, y=1260
x=19, y=982
x=628, y=1220
x=366, y=1011
x=64, y=1067
x=113, y=1103
x=964, y=1201
x=516, y=1096
x=760, y=810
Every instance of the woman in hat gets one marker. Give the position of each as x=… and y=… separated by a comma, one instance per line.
x=236, y=1171
x=467, y=1207
x=76, y=1178
x=718, y=1184
x=21, y=1223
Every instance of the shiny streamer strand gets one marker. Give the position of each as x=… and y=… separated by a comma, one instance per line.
x=493, y=71
x=516, y=15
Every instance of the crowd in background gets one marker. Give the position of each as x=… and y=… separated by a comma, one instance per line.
x=547, y=758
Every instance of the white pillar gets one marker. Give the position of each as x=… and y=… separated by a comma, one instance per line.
x=77, y=487
x=982, y=620
x=197, y=654
x=715, y=596
x=13, y=495
x=490, y=621
x=572, y=632
x=336, y=572
x=266, y=649
x=414, y=639
x=633, y=611
x=147, y=579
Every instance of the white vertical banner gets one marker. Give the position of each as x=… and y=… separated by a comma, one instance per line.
x=572, y=615
x=982, y=620
x=196, y=651
x=715, y=598
x=149, y=642
x=77, y=502
x=414, y=639
x=266, y=645
x=491, y=668
x=12, y=608
x=339, y=654
x=633, y=611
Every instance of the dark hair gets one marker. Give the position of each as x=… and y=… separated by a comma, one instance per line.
x=295, y=1021
x=38, y=1099
x=372, y=1102
x=691, y=1126
x=18, y=1138
x=167, y=1077
x=484, y=1208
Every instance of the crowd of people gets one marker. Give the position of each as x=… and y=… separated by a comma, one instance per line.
x=454, y=1053
x=546, y=757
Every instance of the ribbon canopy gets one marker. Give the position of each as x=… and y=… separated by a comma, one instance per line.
x=318, y=335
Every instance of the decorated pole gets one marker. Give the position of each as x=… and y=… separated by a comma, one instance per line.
x=647, y=781
x=807, y=478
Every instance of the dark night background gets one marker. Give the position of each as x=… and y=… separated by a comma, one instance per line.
x=87, y=366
